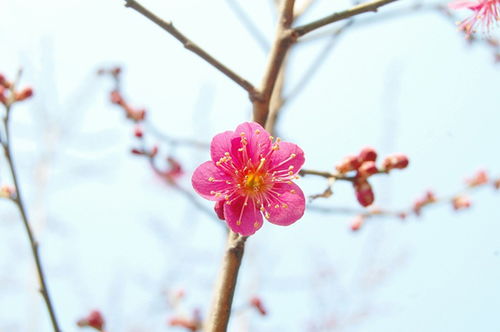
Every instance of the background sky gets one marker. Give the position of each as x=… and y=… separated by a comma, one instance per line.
x=115, y=237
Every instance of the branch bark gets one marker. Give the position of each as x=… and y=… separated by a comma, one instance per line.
x=226, y=284
x=191, y=46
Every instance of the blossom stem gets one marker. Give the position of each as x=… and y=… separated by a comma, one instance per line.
x=17, y=199
x=226, y=284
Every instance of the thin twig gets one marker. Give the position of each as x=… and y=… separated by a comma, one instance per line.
x=188, y=44
x=247, y=22
x=17, y=199
x=338, y=16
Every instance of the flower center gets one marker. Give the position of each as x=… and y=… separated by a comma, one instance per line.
x=254, y=182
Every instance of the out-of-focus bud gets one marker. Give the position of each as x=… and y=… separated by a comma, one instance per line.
x=116, y=71
x=2, y=80
x=154, y=151
x=3, y=97
x=368, y=168
x=24, y=94
x=399, y=161
x=480, y=178
x=428, y=198
x=367, y=154
x=364, y=193
x=357, y=222
x=175, y=169
x=256, y=303
x=349, y=163
x=137, y=151
x=94, y=320
x=461, y=202
x=136, y=115
x=138, y=132
x=116, y=97
x=402, y=215
x=496, y=184
x=7, y=191
x=192, y=324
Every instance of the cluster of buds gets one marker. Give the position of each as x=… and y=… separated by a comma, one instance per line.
x=256, y=303
x=135, y=114
x=193, y=324
x=9, y=94
x=93, y=320
x=363, y=166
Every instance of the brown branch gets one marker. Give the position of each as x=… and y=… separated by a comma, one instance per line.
x=282, y=43
x=191, y=46
x=17, y=199
x=338, y=16
x=226, y=284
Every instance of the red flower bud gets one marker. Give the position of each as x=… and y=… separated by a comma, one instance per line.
x=138, y=132
x=367, y=154
x=349, y=163
x=364, y=193
x=256, y=302
x=94, y=319
x=137, y=151
x=368, y=168
x=189, y=324
x=116, y=71
x=399, y=161
x=2, y=80
x=24, y=94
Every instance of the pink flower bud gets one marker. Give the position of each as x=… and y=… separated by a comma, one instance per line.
x=137, y=151
x=256, y=302
x=116, y=71
x=398, y=161
x=357, y=222
x=364, y=193
x=496, y=184
x=186, y=323
x=349, y=163
x=94, y=320
x=368, y=168
x=367, y=154
x=428, y=198
x=2, y=80
x=116, y=97
x=461, y=202
x=154, y=151
x=24, y=94
x=7, y=191
x=480, y=178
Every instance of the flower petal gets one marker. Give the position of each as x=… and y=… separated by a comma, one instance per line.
x=288, y=207
x=221, y=143
x=219, y=209
x=259, y=142
x=208, y=180
x=287, y=155
x=242, y=216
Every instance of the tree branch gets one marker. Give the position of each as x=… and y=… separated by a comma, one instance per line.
x=191, y=46
x=335, y=17
x=226, y=284
x=281, y=45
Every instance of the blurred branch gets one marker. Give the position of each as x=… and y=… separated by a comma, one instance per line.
x=17, y=199
x=248, y=24
x=188, y=44
x=338, y=16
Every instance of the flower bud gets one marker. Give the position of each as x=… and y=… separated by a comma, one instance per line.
x=367, y=154
x=357, y=222
x=24, y=94
x=349, y=163
x=367, y=168
x=7, y=191
x=116, y=97
x=2, y=80
x=461, y=202
x=398, y=161
x=364, y=193
x=496, y=184
x=256, y=302
x=94, y=319
x=480, y=178
x=138, y=132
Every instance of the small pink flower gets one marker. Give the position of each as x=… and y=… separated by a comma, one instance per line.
x=486, y=14
x=461, y=202
x=256, y=302
x=94, y=319
x=480, y=178
x=250, y=175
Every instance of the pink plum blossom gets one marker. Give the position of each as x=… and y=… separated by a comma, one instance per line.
x=251, y=175
x=486, y=14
